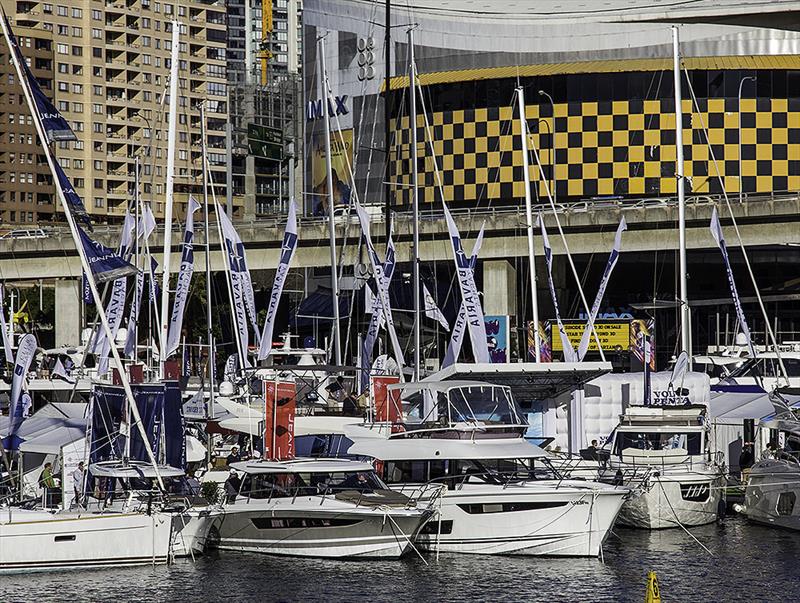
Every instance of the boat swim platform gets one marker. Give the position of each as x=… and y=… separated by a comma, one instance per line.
x=529, y=381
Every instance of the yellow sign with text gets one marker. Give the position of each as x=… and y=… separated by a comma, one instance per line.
x=613, y=335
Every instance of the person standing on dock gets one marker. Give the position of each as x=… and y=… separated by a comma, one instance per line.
x=746, y=460
x=77, y=485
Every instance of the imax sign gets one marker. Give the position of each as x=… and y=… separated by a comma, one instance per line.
x=315, y=109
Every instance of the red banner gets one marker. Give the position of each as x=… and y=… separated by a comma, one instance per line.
x=279, y=410
x=387, y=404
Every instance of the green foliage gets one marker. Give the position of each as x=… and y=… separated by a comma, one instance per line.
x=210, y=491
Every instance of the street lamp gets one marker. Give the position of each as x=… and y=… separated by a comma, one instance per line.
x=553, y=146
x=552, y=150
x=739, y=109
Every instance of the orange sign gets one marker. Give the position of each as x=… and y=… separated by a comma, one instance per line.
x=279, y=410
x=387, y=405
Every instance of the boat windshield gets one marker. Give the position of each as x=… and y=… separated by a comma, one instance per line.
x=484, y=404
x=282, y=485
x=685, y=443
x=454, y=472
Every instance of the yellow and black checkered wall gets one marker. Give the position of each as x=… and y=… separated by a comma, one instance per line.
x=607, y=148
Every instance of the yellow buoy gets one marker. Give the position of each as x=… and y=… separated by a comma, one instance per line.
x=653, y=593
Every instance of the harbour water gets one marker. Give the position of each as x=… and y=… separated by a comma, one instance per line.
x=746, y=563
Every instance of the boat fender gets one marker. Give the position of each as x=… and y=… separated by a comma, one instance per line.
x=740, y=508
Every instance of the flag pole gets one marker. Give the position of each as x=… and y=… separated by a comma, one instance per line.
x=212, y=377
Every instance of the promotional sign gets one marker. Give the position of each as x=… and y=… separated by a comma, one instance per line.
x=387, y=407
x=545, y=351
x=636, y=343
x=71, y=454
x=614, y=335
x=497, y=337
x=341, y=162
x=279, y=411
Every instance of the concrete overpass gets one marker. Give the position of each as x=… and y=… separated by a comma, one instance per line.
x=589, y=226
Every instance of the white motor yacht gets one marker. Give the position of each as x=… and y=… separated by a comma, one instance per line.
x=663, y=453
x=502, y=494
x=773, y=485
x=317, y=508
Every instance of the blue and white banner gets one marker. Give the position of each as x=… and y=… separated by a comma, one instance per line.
x=716, y=232
x=583, y=346
x=86, y=290
x=287, y=253
x=126, y=236
x=432, y=311
x=7, y=349
x=231, y=366
x=195, y=407
x=105, y=264
x=154, y=288
x=147, y=223
x=53, y=123
x=569, y=351
x=133, y=318
x=114, y=312
x=241, y=287
x=60, y=371
x=382, y=285
x=72, y=198
x=460, y=326
x=184, y=280
x=469, y=292
x=377, y=319
x=16, y=406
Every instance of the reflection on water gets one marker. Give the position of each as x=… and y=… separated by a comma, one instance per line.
x=748, y=563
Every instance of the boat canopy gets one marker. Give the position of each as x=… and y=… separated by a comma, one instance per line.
x=302, y=465
x=134, y=470
x=418, y=449
x=459, y=403
x=529, y=381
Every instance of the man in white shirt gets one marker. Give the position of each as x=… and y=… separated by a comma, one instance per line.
x=77, y=484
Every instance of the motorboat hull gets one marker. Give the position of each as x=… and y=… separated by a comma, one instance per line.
x=667, y=500
x=39, y=540
x=313, y=530
x=191, y=530
x=772, y=493
x=523, y=519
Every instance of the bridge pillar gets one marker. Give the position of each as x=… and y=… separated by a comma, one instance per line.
x=499, y=288
x=68, y=311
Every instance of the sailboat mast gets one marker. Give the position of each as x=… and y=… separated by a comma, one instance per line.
x=173, y=118
x=211, y=361
x=73, y=227
x=537, y=344
x=337, y=338
x=683, y=300
x=412, y=74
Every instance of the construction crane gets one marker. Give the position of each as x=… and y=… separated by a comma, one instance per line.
x=266, y=34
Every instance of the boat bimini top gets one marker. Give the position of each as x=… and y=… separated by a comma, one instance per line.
x=458, y=402
x=419, y=449
x=302, y=465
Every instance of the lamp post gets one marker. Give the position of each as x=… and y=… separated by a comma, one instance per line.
x=739, y=110
x=553, y=145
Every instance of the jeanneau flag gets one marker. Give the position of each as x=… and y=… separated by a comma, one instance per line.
x=288, y=248
x=569, y=351
x=382, y=280
x=241, y=286
x=716, y=232
x=184, y=280
x=583, y=346
x=25, y=354
x=376, y=310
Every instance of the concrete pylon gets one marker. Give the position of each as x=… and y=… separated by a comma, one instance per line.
x=499, y=288
x=68, y=312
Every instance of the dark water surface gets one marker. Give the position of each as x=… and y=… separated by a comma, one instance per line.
x=747, y=563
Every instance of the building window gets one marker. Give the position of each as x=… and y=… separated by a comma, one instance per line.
x=62, y=48
x=77, y=13
x=62, y=11
x=98, y=202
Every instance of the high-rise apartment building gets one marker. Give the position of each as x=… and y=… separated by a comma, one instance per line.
x=26, y=186
x=264, y=42
x=111, y=63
